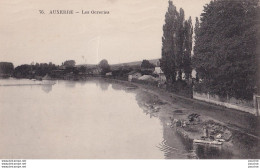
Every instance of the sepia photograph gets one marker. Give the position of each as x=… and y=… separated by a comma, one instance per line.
x=129, y=79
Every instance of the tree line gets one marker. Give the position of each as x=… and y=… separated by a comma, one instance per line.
x=176, y=44
x=225, y=46
x=6, y=68
x=35, y=70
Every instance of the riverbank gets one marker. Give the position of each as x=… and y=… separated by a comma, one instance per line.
x=228, y=129
x=232, y=118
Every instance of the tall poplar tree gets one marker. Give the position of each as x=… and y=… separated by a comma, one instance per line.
x=176, y=44
x=187, y=43
x=179, y=48
x=168, y=59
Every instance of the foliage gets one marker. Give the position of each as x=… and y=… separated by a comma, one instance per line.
x=69, y=63
x=186, y=62
x=176, y=44
x=22, y=71
x=103, y=64
x=6, y=68
x=147, y=65
x=30, y=71
x=225, y=47
x=167, y=61
x=82, y=69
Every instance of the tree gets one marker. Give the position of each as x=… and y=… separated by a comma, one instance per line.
x=146, y=64
x=22, y=71
x=196, y=29
x=6, y=68
x=187, y=43
x=83, y=69
x=176, y=44
x=32, y=71
x=179, y=47
x=69, y=63
x=193, y=60
x=225, y=47
x=103, y=64
x=167, y=61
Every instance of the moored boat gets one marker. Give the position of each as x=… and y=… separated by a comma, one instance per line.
x=207, y=142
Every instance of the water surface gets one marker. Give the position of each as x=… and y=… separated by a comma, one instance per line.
x=86, y=120
x=95, y=120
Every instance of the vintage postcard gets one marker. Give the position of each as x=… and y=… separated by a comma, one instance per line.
x=129, y=79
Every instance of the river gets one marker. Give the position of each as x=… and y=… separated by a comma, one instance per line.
x=84, y=120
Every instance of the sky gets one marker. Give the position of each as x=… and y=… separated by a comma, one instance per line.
x=132, y=31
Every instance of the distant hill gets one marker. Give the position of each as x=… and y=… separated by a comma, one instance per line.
x=153, y=61
x=130, y=64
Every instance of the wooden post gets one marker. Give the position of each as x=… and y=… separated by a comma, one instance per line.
x=257, y=104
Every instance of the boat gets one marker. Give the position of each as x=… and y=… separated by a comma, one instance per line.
x=207, y=142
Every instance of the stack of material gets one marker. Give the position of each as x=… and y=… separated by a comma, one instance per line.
x=147, y=78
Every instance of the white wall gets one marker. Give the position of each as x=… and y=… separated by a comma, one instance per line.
x=241, y=107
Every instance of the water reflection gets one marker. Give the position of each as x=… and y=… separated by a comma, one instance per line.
x=116, y=86
x=212, y=152
x=103, y=86
x=247, y=146
x=172, y=146
x=47, y=88
x=70, y=84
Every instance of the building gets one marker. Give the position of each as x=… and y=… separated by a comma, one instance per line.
x=162, y=78
x=109, y=74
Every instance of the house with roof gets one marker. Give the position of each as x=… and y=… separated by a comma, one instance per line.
x=162, y=78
